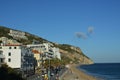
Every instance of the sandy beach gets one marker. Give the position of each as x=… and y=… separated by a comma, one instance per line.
x=75, y=74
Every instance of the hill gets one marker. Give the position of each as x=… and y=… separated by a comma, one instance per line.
x=69, y=53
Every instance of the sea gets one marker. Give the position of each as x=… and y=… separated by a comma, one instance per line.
x=104, y=71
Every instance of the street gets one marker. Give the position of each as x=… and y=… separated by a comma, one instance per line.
x=39, y=76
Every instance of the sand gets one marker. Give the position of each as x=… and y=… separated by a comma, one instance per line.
x=75, y=74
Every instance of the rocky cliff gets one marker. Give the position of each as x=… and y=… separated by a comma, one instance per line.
x=69, y=53
x=75, y=54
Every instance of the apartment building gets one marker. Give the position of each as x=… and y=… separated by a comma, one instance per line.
x=38, y=51
x=57, y=53
x=17, y=34
x=18, y=57
x=48, y=50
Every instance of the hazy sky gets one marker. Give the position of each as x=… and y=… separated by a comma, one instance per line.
x=93, y=25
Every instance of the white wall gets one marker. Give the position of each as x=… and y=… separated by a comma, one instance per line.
x=56, y=53
x=15, y=56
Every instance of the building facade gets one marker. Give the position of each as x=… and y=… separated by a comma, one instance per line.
x=2, y=58
x=17, y=34
x=18, y=57
x=38, y=51
x=57, y=53
x=49, y=54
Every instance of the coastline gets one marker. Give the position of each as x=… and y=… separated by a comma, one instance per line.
x=73, y=73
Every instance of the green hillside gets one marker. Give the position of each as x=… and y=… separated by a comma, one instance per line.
x=69, y=52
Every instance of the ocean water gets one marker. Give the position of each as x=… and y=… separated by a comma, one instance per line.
x=105, y=71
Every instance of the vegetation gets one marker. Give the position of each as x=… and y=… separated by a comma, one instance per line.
x=32, y=38
x=4, y=32
x=7, y=73
x=56, y=62
x=65, y=60
x=76, y=60
x=66, y=47
x=52, y=62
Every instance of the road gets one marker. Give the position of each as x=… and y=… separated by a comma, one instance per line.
x=39, y=76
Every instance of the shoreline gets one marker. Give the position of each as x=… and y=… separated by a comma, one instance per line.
x=73, y=73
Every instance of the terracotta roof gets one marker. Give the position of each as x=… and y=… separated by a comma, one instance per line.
x=13, y=45
x=36, y=52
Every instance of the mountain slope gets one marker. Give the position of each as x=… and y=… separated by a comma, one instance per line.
x=69, y=53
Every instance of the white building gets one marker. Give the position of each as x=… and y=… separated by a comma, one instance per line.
x=48, y=50
x=38, y=50
x=2, y=57
x=45, y=49
x=38, y=47
x=17, y=34
x=18, y=57
x=42, y=52
x=56, y=53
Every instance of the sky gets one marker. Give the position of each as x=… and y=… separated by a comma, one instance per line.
x=92, y=25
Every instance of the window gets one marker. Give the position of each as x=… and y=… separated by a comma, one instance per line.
x=9, y=60
x=9, y=54
x=1, y=60
x=14, y=47
x=9, y=47
x=0, y=47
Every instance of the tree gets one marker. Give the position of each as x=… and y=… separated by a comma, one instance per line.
x=7, y=73
x=52, y=62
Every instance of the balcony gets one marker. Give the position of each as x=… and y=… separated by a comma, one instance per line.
x=51, y=52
